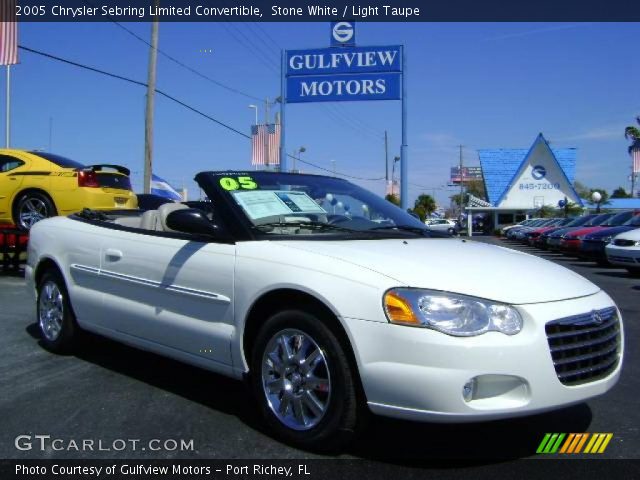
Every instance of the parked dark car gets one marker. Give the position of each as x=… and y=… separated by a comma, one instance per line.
x=555, y=240
x=533, y=236
x=576, y=222
x=594, y=243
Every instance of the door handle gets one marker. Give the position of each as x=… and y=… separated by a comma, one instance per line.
x=112, y=255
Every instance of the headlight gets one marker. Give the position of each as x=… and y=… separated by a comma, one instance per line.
x=580, y=237
x=607, y=239
x=450, y=313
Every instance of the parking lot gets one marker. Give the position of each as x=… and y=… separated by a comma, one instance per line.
x=108, y=392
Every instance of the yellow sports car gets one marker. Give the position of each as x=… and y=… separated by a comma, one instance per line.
x=37, y=185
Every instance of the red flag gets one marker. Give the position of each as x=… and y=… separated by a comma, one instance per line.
x=8, y=33
x=636, y=160
x=265, y=144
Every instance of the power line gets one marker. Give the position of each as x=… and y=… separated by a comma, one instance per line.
x=179, y=102
x=178, y=62
x=135, y=82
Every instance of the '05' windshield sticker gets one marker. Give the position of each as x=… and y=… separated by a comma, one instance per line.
x=245, y=183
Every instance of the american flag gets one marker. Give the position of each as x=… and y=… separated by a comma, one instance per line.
x=8, y=33
x=265, y=144
x=635, y=154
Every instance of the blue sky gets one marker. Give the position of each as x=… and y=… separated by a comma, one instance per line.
x=482, y=85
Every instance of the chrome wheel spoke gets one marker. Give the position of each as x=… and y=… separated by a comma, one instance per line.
x=287, y=354
x=276, y=363
x=297, y=411
x=313, y=404
x=284, y=404
x=275, y=386
x=311, y=361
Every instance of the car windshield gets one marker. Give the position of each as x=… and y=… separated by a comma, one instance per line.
x=576, y=222
x=634, y=221
x=598, y=220
x=618, y=219
x=297, y=204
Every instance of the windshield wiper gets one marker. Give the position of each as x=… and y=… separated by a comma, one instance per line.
x=405, y=228
x=309, y=225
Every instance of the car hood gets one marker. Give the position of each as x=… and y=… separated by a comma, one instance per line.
x=582, y=231
x=608, y=232
x=457, y=265
x=561, y=231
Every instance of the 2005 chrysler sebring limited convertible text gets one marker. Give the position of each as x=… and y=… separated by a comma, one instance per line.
x=328, y=300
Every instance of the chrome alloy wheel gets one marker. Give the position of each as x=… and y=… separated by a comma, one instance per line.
x=31, y=211
x=295, y=379
x=50, y=310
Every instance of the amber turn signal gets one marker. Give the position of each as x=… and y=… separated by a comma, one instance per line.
x=399, y=310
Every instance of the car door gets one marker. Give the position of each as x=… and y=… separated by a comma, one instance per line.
x=9, y=182
x=171, y=291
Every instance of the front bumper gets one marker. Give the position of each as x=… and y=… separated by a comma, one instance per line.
x=623, y=256
x=593, y=249
x=419, y=374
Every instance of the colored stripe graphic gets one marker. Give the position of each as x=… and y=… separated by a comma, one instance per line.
x=574, y=443
x=550, y=443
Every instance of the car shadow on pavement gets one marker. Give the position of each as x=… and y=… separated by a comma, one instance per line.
x=386, y=440
x=426, y=444
x=221, y=393
x=614, y=273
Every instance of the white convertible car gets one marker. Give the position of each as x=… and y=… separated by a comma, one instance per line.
x=330, y=302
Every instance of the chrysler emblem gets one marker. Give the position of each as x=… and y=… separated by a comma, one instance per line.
x=596, y=318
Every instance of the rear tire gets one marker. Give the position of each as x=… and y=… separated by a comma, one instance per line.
x=31, y=207
x=304, y=382
x=56, y=320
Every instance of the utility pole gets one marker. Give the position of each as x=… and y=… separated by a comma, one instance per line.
x=461, y=184
x=151, y=90
x=266, y=132
x=386, y=157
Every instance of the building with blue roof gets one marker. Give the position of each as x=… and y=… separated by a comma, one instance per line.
x=520, y=180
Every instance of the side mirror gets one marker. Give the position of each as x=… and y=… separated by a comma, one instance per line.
x=192, y=220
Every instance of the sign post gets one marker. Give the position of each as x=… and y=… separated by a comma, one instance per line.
x=345, y=72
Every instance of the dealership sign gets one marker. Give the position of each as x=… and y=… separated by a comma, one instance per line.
x=343, y=34
x=344, y=74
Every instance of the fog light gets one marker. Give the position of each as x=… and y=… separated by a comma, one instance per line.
x=468, y=390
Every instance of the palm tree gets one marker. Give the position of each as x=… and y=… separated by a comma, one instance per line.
x=633, y=133
x=425, y=205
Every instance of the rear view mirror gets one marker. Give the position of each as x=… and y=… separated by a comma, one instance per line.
x=192, y=220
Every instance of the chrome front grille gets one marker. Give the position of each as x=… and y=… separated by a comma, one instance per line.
x=585, y=347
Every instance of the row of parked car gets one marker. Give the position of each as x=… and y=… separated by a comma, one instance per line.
x=606, y=238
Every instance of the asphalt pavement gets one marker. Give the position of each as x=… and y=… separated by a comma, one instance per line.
x=111, y=395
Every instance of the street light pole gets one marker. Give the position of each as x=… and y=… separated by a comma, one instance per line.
x=299, y=152
x=255, y=107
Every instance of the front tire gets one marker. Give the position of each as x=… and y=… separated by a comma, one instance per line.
x=56, y=320
x=304, y=382
x=31, y=207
